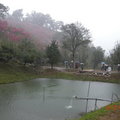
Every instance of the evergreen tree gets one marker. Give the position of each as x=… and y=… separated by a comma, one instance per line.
x=53, y=53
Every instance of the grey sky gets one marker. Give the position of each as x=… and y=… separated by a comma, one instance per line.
x=102, y=17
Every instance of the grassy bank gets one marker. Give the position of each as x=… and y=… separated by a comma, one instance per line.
x=14, y=73
x=103, y=114
x=114, y=78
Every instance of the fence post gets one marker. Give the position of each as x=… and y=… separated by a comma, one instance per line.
x=87, y=96
x=95, y=104
x=86, y=105
x=112, y=98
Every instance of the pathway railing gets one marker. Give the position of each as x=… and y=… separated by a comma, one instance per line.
x=98, y=99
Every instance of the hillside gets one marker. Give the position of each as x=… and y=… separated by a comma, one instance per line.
x=41, y=36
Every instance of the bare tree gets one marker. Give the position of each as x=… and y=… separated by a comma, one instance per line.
x=75, y=35
x=115, y=54
x=97, y=56
x=18, y=14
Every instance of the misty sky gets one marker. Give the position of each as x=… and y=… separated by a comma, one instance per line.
x=102, y=17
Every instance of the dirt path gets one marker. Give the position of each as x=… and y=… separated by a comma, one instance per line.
x=62, y=69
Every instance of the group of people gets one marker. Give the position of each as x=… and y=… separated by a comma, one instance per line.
x=104, y=67
x=107, y=68
x=75, y=65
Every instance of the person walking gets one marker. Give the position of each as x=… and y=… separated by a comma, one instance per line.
x=118, y=67
x=109, y=69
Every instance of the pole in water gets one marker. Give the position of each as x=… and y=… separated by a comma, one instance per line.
x=87, y=96
x=43, y=94
x=88, y=89
x=86, y=105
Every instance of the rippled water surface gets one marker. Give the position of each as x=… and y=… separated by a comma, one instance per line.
x=50, y=99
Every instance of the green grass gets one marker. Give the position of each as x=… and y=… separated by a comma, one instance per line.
x=115, y=78
x=14, y=73
x=98, y=113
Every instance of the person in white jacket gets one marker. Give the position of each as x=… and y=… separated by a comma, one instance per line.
x=109, y=69
x=118, y=67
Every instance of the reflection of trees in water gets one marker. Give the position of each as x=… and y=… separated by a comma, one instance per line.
x=38, y=84
x=39, y=88
x=8, y=91
x=51, y=84
x=32, y=86
x=8, y=94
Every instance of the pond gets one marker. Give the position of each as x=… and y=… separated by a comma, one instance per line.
x=51, y=99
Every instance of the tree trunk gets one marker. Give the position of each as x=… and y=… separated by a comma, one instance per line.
x=51, y=66
x=73, y=57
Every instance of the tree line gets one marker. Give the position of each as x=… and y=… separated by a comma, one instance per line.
x=71, y=42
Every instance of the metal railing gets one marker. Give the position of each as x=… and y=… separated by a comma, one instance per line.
x=98, y=99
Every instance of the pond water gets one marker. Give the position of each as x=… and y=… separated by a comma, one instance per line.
x=51, y=99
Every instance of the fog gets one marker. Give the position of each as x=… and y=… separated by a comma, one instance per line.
x=101, y=16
